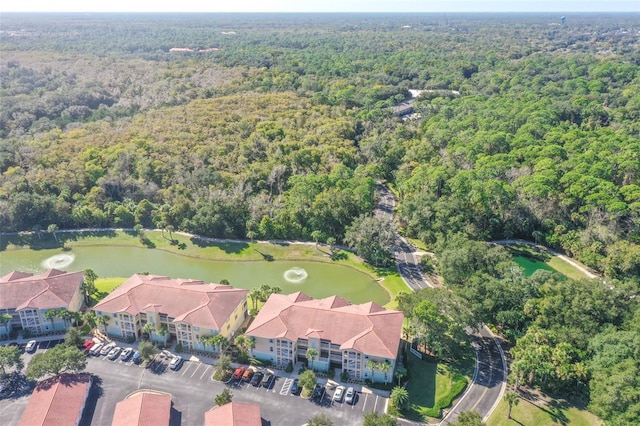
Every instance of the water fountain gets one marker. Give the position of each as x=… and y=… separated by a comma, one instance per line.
x=58, y=261
x=295, y=275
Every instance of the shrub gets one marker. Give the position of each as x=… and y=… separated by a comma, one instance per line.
x=289, y=367
x=179, y=347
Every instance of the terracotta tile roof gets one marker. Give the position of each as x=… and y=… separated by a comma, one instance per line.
x=191, y=301
x=144, y=408
x=234, y=414
x=57, y=401
x=367, y=328
x=52, y=289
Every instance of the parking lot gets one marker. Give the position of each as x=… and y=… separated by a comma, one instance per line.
x=193, y=392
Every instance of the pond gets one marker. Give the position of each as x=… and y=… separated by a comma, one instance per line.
x=313, y=278
x=531, y=265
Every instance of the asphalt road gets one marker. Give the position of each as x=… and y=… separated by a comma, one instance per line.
x=490, y=374
x=408, y=265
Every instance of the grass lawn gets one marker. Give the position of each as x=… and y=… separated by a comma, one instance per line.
x=545, y=412
x=434, y=386
x=106, y=286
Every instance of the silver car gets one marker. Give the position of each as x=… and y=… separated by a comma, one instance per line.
x=350, y=396
x=107, y=348
x=339, y=394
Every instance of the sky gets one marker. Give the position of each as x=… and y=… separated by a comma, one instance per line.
x=320, y=6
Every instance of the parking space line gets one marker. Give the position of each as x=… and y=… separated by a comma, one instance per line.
x=205, y=372
x=186, y=368
x=364, y=404
x=375, y=404
x=196, y=370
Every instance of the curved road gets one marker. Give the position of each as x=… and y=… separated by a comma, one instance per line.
x=489, y=379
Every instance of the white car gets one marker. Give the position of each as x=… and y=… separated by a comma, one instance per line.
x=339, y=394
x=107, y=348
x=176, y=363
x=95, y=350
x=350, y=396
x=31, y=346
x=114, y=353
x=126, y=354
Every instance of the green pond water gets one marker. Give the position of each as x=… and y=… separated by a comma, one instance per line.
x=313, y=278
x=531, y=265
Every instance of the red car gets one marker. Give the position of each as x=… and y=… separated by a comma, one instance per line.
x=88, y=345
x=237, y=375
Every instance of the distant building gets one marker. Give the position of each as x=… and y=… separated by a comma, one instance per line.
x=58, y=401
x=27, y=297
x=143, y=408
x=234, y=414
x=186, y=309
x=345, y=336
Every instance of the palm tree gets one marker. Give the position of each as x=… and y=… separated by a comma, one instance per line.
x=50, y=315
x=170, y=229
x=512, y=399
x=148, y=329
x=162, y=332
x=52, y=229
x=372, y=365
x=103, y=320
x=5, y=319
x=245, y=343
x=384, y=367
x=206, y=340
x=255, y=294
x=399, y=397
x=91, y=319
x=219, y=341
x=400, y=373
x=89, y=285
x=66, y=316
x=312, y=353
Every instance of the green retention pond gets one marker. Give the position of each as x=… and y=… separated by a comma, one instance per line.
x=316, y=279
x=531, y=265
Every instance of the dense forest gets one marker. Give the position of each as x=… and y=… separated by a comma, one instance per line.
x=278, y=126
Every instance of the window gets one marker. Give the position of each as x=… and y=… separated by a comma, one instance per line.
x=196, y=328
x=270, y=340
x=271, y=349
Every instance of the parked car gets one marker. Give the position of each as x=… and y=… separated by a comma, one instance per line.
x=248, y=374
x=95, y=349
x=350, y=396
x=87, y=345
x=31, y=347
x=113, y=354
x=318, y=392
x=257, y=379
x=126, y=353
x=268, y=380
x=237, y=375
x=136, y=357
x=338, y=395
x=107, y=348
x=176, y=362
x=294, y=387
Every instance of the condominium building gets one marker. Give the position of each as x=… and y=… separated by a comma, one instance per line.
x=183, y=309
x=28, y=297
x=361, y=340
